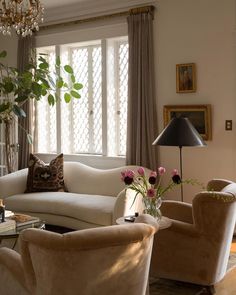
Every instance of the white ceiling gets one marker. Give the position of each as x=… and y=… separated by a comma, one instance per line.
x=61, y=10
x=60, y=3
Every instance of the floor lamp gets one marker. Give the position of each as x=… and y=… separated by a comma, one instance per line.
x=179, y=132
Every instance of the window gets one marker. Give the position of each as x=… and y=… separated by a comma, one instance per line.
x=96, y=123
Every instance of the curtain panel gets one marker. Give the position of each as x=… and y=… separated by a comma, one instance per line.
x=142, y=111
x=26, y=46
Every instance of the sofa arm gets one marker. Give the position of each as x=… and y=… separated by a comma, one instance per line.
x=14, y=183
x=177, y=210
x=125, y=204
x=12, y=279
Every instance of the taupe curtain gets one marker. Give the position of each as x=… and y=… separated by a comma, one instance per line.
x=26, y=47
x=142, y=114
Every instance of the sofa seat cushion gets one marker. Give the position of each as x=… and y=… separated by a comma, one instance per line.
x=94, y=209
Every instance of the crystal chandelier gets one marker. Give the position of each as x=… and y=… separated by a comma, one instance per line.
x=23, y=16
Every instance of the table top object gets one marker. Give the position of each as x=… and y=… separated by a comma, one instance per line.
x=13, y=233
x=164, y=222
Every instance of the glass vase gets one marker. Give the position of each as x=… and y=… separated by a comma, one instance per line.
x=152, y=207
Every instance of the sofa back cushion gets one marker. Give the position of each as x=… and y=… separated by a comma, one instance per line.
x=83, y=179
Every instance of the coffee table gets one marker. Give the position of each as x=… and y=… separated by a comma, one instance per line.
x=14, y=233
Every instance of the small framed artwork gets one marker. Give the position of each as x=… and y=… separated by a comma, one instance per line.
x=199, y=116
x=186, y=78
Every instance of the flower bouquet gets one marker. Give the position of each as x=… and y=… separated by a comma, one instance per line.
x=149, y=186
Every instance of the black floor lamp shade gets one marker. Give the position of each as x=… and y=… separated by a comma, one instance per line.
x=179, y=132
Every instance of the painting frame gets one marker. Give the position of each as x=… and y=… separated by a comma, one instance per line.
x=199, y=115
x=186, y=78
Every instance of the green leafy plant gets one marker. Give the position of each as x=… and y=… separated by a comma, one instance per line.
x=34, y=83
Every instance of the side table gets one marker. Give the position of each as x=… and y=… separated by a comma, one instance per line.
x=164, y=222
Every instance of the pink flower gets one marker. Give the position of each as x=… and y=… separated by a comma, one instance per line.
x=141, y=171
x=175, y=172
x=151, y=192
x=161, y=170
x=127, y=176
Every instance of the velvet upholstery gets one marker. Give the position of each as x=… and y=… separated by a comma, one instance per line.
x=108, y=260
x=196, y=247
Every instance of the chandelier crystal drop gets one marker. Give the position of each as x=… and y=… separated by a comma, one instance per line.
x=23, y=16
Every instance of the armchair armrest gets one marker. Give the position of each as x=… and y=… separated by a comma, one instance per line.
x=217, y=184
x=183, y=228
x=177, y=210
x=12, y=278
x=125, y=204
x=14, y=183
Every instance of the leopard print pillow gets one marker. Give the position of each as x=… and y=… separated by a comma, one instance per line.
x=43, y=177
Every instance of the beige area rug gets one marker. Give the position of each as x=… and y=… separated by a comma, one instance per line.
x=170, y=287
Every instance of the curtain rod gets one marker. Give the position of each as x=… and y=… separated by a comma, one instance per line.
x=132, y=11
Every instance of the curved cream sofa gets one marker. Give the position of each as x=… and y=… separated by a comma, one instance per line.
x=95, y=197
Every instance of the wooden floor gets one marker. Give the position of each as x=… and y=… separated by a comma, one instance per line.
x=233, y=246
x=228, y=285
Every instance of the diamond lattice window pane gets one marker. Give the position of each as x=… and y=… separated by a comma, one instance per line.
x=117, y=97
x=87, y=112
x=123, y=96
x=97, y=100
x=46, y=118
x=80, y=110
x=66, y=110
x=111, y=102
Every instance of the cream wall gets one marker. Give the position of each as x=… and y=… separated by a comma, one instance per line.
x=202, y=32
x=10, y=45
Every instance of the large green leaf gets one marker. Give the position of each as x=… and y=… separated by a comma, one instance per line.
x=21, y=98
x=41, y=58
x=3, y=53
x=75, y=94
x=78, y=86
x=68, y=69
x=44, y=66
x=4, y=107
x=37, y=88
x=27, y=76
x=60, y=83
x=67, y=97
x=45, y=82
x=51, y=100
x=72, y=77
x=44, y=92
x=18, y=111
x=8, y=87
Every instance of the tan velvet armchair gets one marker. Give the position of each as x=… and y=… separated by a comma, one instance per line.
x=196, y=247
x=108, y=260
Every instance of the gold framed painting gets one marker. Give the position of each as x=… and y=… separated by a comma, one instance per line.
x=186, y=78
x=199, y=116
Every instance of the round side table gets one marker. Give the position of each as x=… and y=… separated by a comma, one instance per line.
x=164, y=222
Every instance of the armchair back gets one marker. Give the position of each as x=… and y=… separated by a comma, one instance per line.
x=108, y=260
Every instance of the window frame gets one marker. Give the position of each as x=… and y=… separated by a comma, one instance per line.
x=87, y=157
